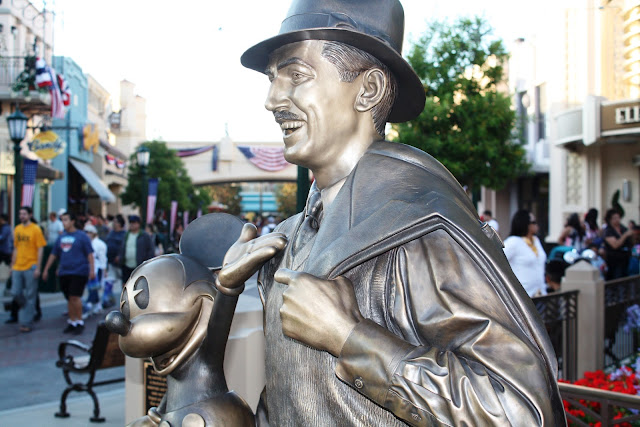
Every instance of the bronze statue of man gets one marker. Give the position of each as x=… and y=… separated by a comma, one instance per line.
x=387, y=302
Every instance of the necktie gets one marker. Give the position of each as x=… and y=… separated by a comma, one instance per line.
x=311, y=221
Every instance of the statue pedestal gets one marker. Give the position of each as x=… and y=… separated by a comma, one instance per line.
x=243, y=362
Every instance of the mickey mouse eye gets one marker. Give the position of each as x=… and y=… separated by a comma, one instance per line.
x=124, y=303
x=141, y=292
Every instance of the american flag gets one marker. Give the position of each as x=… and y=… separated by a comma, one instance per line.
x=270, y=159
x=29, y=170
x=57, y=104
x=43, y=77
x=152, y=196
x=64, y=90
x=46, y=78
x=172, y=218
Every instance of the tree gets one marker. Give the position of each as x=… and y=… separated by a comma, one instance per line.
x=228, y=195
x=174, y=182
x=286, y=196
x=467, y=123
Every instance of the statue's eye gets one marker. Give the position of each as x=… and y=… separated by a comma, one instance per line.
x=141, y=292
x=124, y=303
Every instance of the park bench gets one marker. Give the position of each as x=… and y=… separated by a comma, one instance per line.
x=78, y=358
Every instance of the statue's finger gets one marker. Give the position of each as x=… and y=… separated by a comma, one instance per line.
x=249, y=232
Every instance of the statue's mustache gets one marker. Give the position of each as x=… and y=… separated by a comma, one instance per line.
x=283, y=116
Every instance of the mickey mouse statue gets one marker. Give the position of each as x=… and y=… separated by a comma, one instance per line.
x=176, y=310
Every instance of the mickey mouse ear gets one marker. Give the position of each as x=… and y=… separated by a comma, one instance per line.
x=208, y=238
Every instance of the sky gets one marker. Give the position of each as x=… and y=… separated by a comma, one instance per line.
x=184, y=57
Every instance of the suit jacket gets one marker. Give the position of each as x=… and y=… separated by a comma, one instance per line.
x=144, y=248
x=450, y=336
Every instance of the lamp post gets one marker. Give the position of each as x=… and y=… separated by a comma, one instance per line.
x=17, y=123
x=143, y=155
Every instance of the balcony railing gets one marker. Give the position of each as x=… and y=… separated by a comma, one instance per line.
x=10, y=69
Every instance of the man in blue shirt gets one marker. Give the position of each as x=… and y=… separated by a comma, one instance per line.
x=73, y=249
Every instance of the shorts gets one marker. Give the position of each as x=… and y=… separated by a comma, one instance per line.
x=72, y=285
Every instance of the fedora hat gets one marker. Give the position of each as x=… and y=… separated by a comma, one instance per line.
x=374, y=26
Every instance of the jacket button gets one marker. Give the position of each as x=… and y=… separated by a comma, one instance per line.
x=359, y=383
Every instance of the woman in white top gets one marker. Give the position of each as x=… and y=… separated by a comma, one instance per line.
x=525, y=253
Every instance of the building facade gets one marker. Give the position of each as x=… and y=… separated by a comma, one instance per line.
x=596, y=130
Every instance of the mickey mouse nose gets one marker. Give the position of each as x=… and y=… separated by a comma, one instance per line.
x=117, y=323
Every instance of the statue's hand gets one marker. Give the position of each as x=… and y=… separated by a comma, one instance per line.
x=319, y=313
x=246, y=256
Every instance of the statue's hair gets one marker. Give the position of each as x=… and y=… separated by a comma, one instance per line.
x=350, y=63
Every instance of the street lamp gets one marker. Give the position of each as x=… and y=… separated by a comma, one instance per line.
x=17, y=123
x=143, y=155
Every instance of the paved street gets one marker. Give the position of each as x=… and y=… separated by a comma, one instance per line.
x=32, y=383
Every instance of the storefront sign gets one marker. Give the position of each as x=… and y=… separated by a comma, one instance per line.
x=620, y=116
x=91, y=138
x=47, y=145
x=625, y=115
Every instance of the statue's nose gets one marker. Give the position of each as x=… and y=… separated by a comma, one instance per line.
x=117, y=323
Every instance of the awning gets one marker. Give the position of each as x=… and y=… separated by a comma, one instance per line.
x=94, y=181
x=45, y=171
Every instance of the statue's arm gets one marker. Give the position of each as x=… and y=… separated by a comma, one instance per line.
x=456, y=357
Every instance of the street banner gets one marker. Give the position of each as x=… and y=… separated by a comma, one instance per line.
x=270, y=159
x=172, y=218
x=29, y=169
x=199, y=213
x=152, y=196
x=185, y=219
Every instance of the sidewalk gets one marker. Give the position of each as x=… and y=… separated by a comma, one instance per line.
x=80, y=408
x=32, y=384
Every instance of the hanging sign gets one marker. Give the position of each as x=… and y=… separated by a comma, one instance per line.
x=91, y=138
x=47, y=145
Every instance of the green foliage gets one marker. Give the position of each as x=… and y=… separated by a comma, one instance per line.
x=174, y=181
x=615, y=203
x=228, y=195
x=467, y=124
x=286, y=196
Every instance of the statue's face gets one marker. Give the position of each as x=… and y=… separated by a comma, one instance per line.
x=313, y=107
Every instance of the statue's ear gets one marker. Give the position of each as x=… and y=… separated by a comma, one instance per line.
x=374, y=84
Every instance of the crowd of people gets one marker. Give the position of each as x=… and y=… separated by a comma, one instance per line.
x=611, y=247
x=89, y=252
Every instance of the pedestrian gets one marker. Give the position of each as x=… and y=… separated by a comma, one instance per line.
x=525, y=253
x=75, y=267
x=617, y=245
x=269, y=226
x=102, y=227
x=114, y=241
x=28, y=242
x=593, y=232
x=100, y=266
x=54, y=228
x=136, y=248
x=573, y=235
x=6, y=240
x=487, y=216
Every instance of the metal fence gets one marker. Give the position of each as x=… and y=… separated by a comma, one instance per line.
x=560, y=316
x=618, y=296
